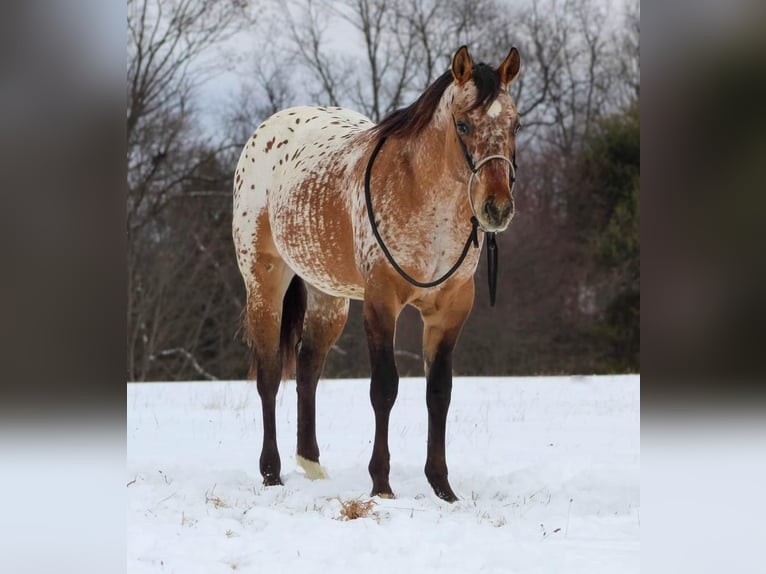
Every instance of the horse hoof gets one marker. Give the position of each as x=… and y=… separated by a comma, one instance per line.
x=313, y=470
x=272, y=481
x=386, y=495
x=447, y=496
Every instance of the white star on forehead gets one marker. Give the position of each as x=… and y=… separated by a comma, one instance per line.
x=494, y=109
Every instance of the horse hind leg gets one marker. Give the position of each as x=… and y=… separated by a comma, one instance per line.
x=275, y=305
x=324, y=322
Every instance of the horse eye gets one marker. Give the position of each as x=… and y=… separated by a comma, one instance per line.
x=463, y=128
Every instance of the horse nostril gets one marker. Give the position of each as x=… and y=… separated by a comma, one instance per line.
x=497, y=215
x=490, y=210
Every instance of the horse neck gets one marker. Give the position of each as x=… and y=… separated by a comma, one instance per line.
x=437, y=176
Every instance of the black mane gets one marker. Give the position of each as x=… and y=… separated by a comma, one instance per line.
x=410, y=121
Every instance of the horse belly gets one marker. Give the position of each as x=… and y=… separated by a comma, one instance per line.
x=315, y=240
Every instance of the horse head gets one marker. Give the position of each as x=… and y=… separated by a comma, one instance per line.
x=483, y=141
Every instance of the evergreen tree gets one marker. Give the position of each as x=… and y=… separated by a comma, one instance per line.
x=612, y=164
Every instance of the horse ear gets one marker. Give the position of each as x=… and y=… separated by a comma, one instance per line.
x=509, y=69
x=462, y=66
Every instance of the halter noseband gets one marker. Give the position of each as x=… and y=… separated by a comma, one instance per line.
x=472, y=236
x=474, y=171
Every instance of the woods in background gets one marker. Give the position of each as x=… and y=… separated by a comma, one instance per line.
x=569, y=284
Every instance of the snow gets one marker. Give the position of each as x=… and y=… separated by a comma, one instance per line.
x=547, y=470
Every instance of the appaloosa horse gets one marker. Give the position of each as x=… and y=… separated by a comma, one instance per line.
x=324, y=212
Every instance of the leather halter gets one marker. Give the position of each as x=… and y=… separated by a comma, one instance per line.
x=472, y=236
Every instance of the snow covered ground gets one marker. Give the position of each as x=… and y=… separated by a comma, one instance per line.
x=547, y=469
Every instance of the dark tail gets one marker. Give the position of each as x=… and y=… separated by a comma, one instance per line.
x=293, y=311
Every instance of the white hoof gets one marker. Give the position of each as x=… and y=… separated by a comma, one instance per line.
x=313, y=470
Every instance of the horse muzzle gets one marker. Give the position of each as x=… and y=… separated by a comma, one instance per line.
x=493, y=216
x=496, y=216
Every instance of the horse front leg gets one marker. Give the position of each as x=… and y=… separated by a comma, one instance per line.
x=440, y=333
x=380, y=324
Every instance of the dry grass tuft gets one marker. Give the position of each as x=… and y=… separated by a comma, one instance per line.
x=355, y=508
x=216, y=501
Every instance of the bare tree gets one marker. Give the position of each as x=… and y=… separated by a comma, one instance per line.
x=569, y=69
x=307, y=24
x=168, y=41
x=380, y=87
x=628, y=57
x=404, y=46
x=166, y=44
x=264, y=92
x=441, y=26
